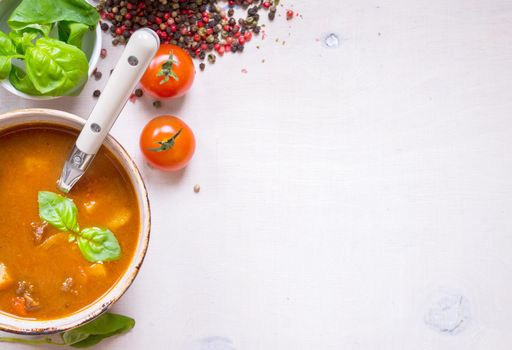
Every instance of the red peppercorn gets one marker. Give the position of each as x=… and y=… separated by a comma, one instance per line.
x=227, y=28
x=197, y=37
x=173, y=28
x=167, y=15
x=241, y=40
x=289, y=14
x=227, y=48
x=231, y=3
x=216, y=47
x=221, y=50
x=119, y=31
x=204, y=47
x=266, y=4
x=158, y=20
x=248, y=36
x=237, y=35
x=209, y=31
x=128, y=15
x=200, y=24
x=229, y=40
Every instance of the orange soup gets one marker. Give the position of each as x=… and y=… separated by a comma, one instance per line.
x=47, y=271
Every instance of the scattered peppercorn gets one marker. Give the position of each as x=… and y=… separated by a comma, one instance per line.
x=157, y=104
x=96, y=93
x=104, y=26
x=103, y=53
x=212, y=58
x=198, y=26
x=202, y=66
x=97, y=75
x=197, y=188
x=139, y=92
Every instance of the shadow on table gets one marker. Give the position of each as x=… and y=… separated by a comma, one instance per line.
x=172, y=106
x=154, y=175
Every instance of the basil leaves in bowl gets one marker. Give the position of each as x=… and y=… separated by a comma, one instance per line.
x=48, y=48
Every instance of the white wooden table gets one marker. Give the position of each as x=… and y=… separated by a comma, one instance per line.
x=357, y=197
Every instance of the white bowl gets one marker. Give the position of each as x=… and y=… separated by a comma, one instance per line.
x=91, y=46
x=10, y=323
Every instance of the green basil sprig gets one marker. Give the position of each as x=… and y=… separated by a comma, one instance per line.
x=96, y=244
x=51, y=67
x=90, y=334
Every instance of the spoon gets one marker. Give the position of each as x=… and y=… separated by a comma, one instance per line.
x=136, y=57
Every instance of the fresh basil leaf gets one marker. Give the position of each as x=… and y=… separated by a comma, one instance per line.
x=7, y=46
x=72, y=32
x=55, y=68
x=5, y=66
x=7, y=53
x=105, y=326
x=37, y=13
x=43, y=29
x=58, y=211
x=23, y=39
x=99, y=244
x=22, y=82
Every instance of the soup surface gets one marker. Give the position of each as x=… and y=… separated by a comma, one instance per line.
x=43, y=275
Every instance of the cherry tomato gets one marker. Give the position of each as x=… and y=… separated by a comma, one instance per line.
x=170, y=73
x=167, y=143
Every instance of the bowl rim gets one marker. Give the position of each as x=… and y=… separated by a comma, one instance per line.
x=24, y=326
x=93, y=63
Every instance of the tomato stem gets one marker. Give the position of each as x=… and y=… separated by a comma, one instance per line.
x=166, y=71
x=166, y=145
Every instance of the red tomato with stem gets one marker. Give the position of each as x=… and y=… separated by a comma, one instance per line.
x=167, y=143
x=170, y=73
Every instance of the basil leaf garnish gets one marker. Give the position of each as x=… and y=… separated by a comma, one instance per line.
x=99, y=244
x=105, y=326
x=58, y=211
x=96, y=244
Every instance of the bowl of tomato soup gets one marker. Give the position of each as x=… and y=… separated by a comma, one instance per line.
x=64, y=258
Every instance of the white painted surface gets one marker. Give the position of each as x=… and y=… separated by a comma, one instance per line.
x=346, y=194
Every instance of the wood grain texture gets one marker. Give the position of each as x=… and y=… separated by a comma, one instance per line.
x=347, y=195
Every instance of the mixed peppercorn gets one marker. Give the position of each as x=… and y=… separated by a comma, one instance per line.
x=198, y=26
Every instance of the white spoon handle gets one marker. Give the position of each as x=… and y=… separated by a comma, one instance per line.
x=136, y=57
